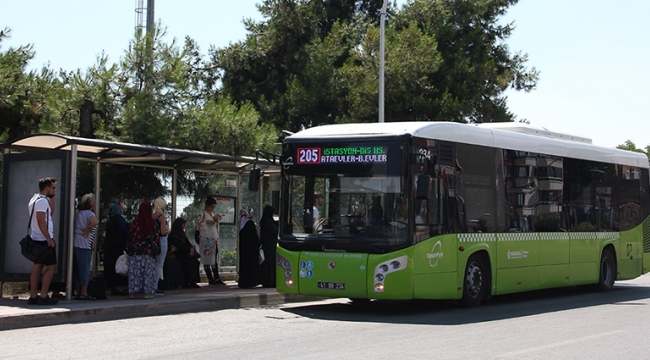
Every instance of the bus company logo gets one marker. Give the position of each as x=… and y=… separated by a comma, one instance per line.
x=436, y=254
x=287, y=163
x=518, y=254
x=331, y=265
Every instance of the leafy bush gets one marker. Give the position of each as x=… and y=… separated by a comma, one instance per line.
x=228, y=257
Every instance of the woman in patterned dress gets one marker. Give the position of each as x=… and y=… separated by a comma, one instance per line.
x=142, y=265
x=208, y=226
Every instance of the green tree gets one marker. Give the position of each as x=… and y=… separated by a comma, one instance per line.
x=476, y=65
x=631, y=146
x=21, y=102
x=170, y=97
x=306, y=64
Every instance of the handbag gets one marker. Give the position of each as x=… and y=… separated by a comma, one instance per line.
x=262, y=258
x=122, y=264
x=28, y=248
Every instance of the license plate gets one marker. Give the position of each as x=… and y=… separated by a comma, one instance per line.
x=331, y=285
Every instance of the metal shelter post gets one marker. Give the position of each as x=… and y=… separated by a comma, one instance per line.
x=94, y=262
x=239, y=186
x=174, y=194
x=260, y=199
x=72, y=193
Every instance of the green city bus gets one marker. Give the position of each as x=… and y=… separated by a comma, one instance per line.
x=441, y=210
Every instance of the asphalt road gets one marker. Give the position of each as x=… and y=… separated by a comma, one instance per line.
x=559, y=324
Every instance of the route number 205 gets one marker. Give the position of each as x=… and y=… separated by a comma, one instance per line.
x=309, y=156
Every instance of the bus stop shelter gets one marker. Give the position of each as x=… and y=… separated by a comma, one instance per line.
x=29, y=158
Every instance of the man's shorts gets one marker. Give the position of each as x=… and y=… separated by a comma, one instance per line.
x=49, y=256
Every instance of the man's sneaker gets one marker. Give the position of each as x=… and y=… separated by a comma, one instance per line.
x=32, y=301
x=160, y=292
x=47, y=301
x=218, y=282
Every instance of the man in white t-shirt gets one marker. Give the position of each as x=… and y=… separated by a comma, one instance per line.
x=41, y=207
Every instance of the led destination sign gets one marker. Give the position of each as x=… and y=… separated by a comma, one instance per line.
x=342, y=155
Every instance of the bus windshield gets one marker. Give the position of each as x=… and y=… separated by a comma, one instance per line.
x=349, y=208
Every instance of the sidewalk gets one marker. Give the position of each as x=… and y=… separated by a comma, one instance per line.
x=15, y=313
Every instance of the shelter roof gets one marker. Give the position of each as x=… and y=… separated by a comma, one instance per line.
x=106, y=151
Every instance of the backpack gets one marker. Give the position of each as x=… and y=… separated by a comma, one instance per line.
x=97, y=288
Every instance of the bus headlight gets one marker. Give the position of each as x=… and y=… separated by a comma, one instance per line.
x=390, y=266
x=285, y=264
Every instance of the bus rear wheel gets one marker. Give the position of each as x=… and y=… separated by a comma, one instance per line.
x=474, y=285
x=607, y=271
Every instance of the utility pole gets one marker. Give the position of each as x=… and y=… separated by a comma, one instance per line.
x=382, y=27
x=150, y=17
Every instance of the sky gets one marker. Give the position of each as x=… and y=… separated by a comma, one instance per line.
x=593, y=55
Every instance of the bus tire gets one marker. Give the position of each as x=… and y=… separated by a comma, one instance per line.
x=607, y=274
x=475, y=281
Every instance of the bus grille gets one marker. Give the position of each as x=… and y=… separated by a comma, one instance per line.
x=645, y=209
x=645, y=193
x=646, y=235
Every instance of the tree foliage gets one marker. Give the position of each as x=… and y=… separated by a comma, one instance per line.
x=20, y=100
x=307, y=64
x=629, y=145
x=158, y=94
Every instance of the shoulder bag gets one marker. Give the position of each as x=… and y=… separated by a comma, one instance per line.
x=33, y=252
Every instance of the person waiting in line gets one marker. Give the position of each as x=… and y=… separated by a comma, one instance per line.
x=185, y=253
x=172, y=269
x=249, y=250
x=41, y=208
x=117, y=232
x=159, y=216
x=85, y=225
x=142, y=266
x=208, y=227
x=269, y=240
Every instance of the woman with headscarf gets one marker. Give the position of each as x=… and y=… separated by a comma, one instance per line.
x=208, y=227
x=117, y=231
x=185, y=253
x=269, y=239
x=249, y=250
x=142, y=266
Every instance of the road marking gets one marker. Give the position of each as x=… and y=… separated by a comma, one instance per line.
x=538, y=348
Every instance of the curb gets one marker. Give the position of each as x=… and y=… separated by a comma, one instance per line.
x=144, y=308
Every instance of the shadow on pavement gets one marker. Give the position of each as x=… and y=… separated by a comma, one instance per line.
x=434, y=312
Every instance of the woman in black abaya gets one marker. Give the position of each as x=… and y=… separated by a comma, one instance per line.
x=269, y=239
x=249, y=247
x=117, y=231
x=186, y=253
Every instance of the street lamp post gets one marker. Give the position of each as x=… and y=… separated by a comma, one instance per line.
x=381, y=60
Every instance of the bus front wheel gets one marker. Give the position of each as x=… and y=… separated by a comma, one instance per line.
x=607, y=271
x=474, y=285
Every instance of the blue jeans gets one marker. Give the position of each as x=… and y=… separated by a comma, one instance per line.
x=160, y=259
x=81, y=270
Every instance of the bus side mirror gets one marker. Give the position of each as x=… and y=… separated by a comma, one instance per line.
x=254, y=179
x=422, y=191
